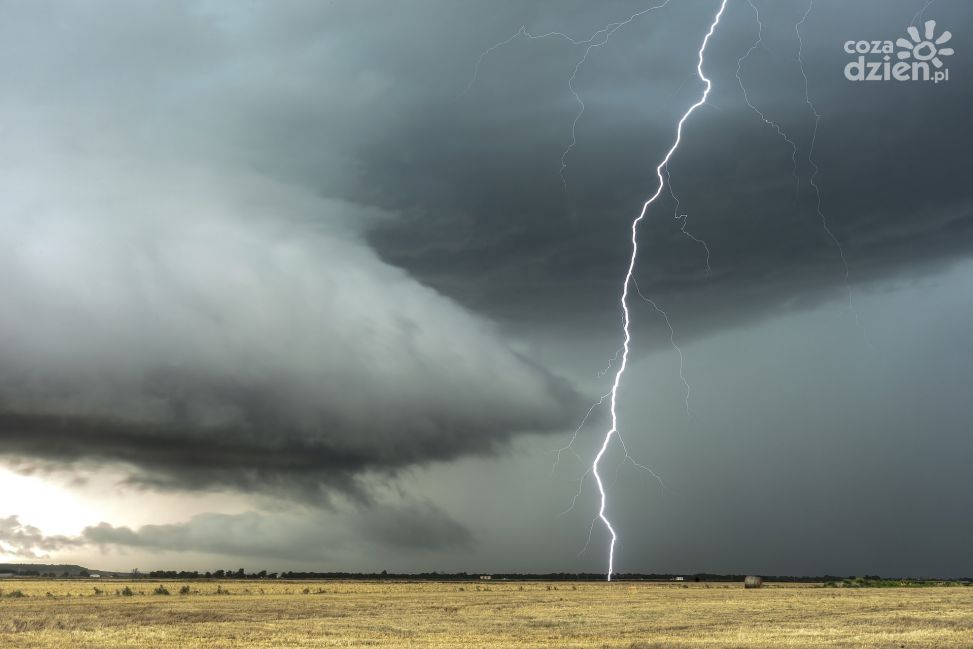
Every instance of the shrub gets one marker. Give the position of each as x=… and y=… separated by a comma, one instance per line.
x=127, y=592
x=16, y=594
x=184, y=590
x=161, y=590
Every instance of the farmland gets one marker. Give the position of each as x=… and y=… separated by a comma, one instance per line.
x=80, y=614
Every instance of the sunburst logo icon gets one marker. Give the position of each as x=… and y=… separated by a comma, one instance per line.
x=925, y=48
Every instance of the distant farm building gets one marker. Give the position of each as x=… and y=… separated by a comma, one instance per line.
x=486, y=576
x=752, y=581
x=679, y=579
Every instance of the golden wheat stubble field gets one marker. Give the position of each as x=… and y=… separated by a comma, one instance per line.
x=49, y=614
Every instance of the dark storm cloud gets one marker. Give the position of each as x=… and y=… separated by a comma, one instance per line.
x=367, y=102
x=490, y=224
x=205, y=205
x=173, y=307
x=218, y=349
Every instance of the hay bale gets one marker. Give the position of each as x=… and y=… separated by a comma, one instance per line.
x=753, y=581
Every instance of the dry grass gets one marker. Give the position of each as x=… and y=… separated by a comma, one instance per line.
x=271, y=614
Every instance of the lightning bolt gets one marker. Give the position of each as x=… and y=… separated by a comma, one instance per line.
x=685, y=222
x=614, y=27
x=815, y=170
x=627, y=336
x=672, y=341
x=611, y=361
x=746, y=96
x=620, y=360
x=569, y=447
x=597, y=39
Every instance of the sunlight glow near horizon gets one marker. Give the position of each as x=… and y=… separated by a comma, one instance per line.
x=58, y=504
x=52, y=507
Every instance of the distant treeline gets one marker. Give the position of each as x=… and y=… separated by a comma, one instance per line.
x=876, y=582
x=78, y=571
x=513, y=576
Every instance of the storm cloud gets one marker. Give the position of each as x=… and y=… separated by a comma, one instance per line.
x=518, y=245
x=206, y=323
x=26, y=541
x=310, y=536
x=197, y=337
x=290, y=249
x=290, y=534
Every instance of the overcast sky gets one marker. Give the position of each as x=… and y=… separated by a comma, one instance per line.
x=326, y=286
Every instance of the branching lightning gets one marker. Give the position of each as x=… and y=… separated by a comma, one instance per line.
x=608, y=32
x=814, y=137
x=597, y=39
x=685, y=221
x=812, y=179
x=815, y=169
x=627, y=337
x=746, y=96
x=672, y=340
x=619, y=362
x=569, y=447
x=611, y=361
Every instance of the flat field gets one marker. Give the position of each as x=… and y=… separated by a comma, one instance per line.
x=56, y=614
